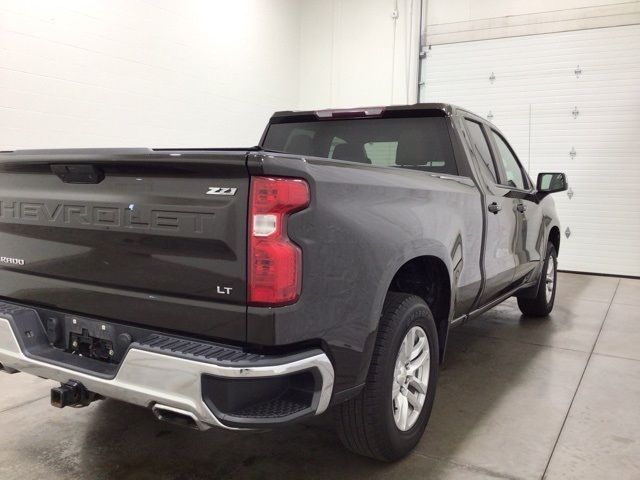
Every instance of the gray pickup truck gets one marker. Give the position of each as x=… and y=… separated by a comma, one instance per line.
x=253, y=287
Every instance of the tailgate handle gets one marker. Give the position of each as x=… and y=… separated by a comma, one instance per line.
x=77, y=173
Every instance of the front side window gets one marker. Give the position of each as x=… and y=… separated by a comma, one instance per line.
x=418, y=143
x=513, y=171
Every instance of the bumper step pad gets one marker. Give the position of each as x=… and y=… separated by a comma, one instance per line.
x=201, y=351
x=276, y=408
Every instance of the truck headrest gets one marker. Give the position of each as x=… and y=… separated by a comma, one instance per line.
x=299, y=144
x=411, y=150
x=352, y=152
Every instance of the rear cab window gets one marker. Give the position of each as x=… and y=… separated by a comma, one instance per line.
x=418, y=143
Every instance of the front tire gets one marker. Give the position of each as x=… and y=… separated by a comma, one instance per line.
x=387, y=418
x=542, y=304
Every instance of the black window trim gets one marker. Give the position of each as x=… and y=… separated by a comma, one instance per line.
x=459, y=156
x=482, y=126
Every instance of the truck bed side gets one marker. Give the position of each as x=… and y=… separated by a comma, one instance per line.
x=363, y=224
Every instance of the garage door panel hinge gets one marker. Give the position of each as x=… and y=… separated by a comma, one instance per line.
x=578, y=71
x=567, y=232
x=569, y=193
x=575, y=112
x=573, y=153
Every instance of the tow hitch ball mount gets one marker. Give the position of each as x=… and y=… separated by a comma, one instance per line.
x=72, y=394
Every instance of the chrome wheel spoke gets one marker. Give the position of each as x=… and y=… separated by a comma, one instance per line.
x=418, y=362
x=402, y=356
x=418, y=348
x=408, y=345
x=402, y=412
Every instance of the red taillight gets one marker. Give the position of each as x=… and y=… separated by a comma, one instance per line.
x=275, y=263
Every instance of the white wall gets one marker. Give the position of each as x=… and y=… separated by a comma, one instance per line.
x=353, y=52
x=159, y=73
x=146, y=72
x=451, y=21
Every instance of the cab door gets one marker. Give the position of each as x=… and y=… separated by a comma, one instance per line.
x=500, y=260
x=528, y=243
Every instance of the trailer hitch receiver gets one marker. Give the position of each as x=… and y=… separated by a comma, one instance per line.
x=72, y=394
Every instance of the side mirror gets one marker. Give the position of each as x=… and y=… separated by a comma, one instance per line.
x=550, y=183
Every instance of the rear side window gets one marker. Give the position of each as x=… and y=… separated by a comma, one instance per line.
x=480, y=146
x=420, y=143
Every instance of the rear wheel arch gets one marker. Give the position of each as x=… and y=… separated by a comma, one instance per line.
x=428, y=277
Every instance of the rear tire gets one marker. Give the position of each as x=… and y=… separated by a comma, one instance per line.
x=378, y=422
x=542, y=304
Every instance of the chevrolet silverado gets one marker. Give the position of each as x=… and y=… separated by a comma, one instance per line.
x=253, y=287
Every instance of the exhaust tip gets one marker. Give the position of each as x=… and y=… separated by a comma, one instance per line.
x=8, y=369
x=177, y=416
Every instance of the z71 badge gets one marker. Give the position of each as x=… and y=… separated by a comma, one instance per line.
x=222, y=191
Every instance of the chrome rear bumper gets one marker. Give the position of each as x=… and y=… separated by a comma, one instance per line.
x=149, y=378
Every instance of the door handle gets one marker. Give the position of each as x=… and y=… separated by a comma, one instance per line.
x=521, y=207
x=494, y=207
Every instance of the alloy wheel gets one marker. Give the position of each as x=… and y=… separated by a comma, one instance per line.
x=411, y=378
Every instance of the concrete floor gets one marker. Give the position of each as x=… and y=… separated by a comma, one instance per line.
x=517, y=398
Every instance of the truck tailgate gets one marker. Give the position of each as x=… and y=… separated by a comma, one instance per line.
x=159, y=241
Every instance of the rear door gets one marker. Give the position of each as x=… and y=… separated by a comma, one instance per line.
x=502, y=222
x=156, y=239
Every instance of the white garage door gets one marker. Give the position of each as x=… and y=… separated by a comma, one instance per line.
x=567, y=102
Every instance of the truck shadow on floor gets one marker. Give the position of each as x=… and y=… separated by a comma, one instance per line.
x=128, y=442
